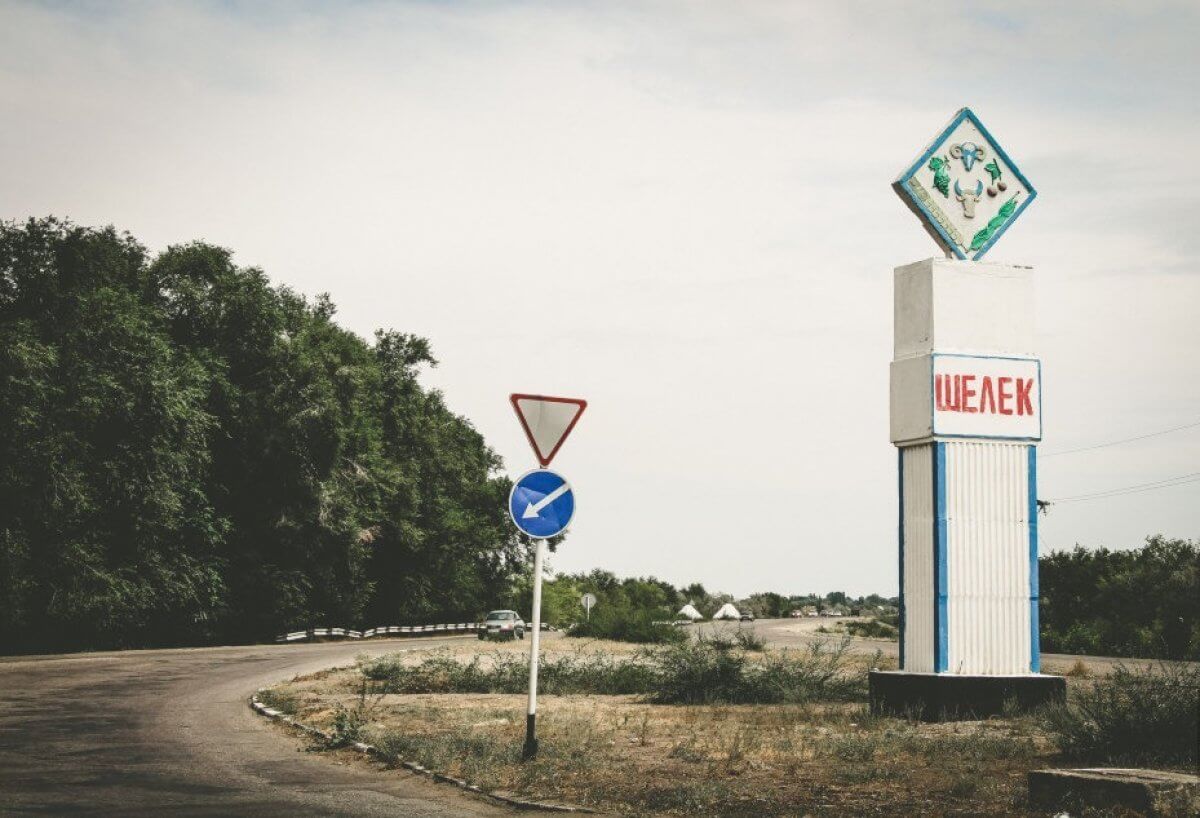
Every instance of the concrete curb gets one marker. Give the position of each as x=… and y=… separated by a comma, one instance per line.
x=370, y=750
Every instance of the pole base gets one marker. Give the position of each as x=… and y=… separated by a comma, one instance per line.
x=952, y=697
x=530, y=749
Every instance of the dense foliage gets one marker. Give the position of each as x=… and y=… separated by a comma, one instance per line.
x=639, y=627
x=1143, y=602
x=189, y=454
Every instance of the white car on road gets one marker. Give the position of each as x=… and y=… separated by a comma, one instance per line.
x=504, y=625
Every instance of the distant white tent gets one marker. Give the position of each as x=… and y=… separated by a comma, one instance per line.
x=689, y=611
x=727, y=612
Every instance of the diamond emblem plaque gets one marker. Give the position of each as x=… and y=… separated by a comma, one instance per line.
x=964, y=188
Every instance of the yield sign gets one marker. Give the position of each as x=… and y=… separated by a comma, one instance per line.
x=547, y=421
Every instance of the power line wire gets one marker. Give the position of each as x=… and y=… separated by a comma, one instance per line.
x=1156, y=484
x=1169, y=482
x=1125, y=440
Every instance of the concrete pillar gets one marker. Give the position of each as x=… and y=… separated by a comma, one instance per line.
x=966, y=415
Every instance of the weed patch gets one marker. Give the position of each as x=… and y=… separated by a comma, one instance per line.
x=709, y=671
x=1144, y=715
x=279, y=699
x=749, y=640
x=704, y=671
x=509, y=673
x=738, y=732
x=872, y=629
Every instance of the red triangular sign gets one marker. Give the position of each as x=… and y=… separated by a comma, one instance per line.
x=547, y=421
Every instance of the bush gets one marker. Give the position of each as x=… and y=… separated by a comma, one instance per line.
x=1135, y=716
x=348, y=726
x=872, y=629
x=708, y=671
x=749, y=640
x=641, y=627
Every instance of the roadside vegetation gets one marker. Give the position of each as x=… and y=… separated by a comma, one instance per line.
x=1142, y=602
x=639, y=627
x=701, y=671
x=721, y=727
x=886, y=627
x=1135, y=716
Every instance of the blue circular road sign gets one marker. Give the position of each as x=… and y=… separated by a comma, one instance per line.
x=542, y=503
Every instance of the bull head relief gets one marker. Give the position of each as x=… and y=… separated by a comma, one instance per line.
x=969, y=199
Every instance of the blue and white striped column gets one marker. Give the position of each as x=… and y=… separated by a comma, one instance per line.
x=966, y=418
x=968, y=558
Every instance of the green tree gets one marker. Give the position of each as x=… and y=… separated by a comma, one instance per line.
x=188, y=454
x=1143, y=602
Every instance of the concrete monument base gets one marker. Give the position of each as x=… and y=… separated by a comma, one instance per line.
x=953, y=697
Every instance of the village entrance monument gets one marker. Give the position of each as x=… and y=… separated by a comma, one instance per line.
x=966, y=417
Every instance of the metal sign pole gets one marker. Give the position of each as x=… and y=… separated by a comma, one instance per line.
x=531, y=744
x=541, y=505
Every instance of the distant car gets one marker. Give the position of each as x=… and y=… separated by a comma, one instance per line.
x=503, y=625
x=747, y=617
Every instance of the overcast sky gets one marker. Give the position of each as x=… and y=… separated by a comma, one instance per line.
x=679, y=211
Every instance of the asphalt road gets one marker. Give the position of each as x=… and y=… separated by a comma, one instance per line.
x=169, y=732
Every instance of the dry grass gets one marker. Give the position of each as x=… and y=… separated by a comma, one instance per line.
x=620, y=754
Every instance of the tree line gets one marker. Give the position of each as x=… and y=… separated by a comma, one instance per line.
x=1141, y=602
x=189, y=454
x=653, y=598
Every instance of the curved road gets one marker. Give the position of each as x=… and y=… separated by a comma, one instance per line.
x=169, y=731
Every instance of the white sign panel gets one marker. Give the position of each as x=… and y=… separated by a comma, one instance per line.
x=547, y=421
x=987, y=397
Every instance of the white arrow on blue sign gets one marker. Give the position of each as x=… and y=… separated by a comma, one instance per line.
x=542, y=503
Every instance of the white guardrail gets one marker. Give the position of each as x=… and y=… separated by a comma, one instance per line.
x=386, y=630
